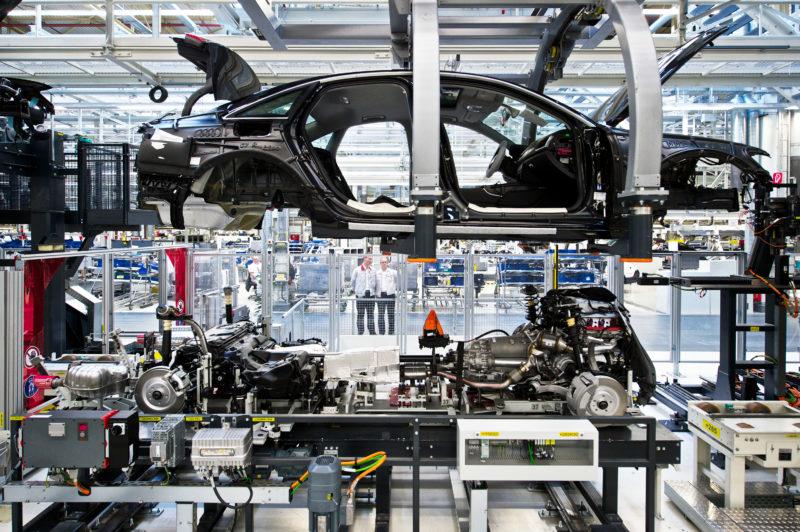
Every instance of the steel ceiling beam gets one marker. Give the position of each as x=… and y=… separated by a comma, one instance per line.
x=261, y=15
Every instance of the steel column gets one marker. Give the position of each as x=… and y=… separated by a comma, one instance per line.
x=610, y=489
x=108, y=299
x=415, y=475
x=644, y=95
x=469, y=293
x=425, y=139
x=675, y=295
x=11, y=354
x=726, y=373
x=333, y=301
x=741, y=310
x=266, y=273
x=401, y=313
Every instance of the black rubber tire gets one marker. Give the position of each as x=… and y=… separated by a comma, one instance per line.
x=162, y=94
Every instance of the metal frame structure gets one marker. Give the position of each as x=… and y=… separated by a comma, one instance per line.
x=417, y=440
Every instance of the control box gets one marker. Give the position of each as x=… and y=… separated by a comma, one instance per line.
x=523, y=449
x=215, y=450
x=167, y=441
x=72, y=439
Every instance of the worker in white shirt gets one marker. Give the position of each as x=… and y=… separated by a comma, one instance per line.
x=363, y=283
x=386, y=288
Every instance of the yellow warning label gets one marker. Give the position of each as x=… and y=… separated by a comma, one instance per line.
x=788, y=435
x=568, y=434
x=263, y=419
x=1, y=420
x=16, y=418
x=490, y=434
x=755, y=328
x=150, y=418
x=711, y=428
x=194, y=418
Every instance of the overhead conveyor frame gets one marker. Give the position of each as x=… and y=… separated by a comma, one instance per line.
x=643, y=177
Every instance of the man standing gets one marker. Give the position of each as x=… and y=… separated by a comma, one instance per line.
x=386, y=288
x=363, y=282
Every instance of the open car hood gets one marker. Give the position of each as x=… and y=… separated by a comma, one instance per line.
x=615, y=109
x=230, y=76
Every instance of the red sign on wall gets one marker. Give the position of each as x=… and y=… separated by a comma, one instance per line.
x=777, y=178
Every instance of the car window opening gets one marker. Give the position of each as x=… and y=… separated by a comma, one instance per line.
x=507, y=153
x=360, y=137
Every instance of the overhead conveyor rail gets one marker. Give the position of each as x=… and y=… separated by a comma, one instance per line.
x=642, y=181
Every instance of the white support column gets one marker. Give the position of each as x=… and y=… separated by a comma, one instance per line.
x=479, y=509
x=644, y=94
x=643, y=178
x=425, y=190
x=426, y=126
x=186, y=517
x=734, y=481
x=702, y=460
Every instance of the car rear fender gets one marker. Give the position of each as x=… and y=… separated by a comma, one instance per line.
x=249, y=175
x=738, y=155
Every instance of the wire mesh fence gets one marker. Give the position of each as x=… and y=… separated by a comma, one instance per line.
x=15, y=193
x=71, y=181
x=105, y=169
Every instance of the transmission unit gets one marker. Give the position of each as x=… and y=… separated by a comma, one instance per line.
x=522, y=449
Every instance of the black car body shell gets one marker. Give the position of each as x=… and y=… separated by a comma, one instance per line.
x=283, y=171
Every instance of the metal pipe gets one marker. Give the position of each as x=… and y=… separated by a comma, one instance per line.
x=108, y=299
x=228, y=291
x=166, y=339
x=93, y=253
x=675, y=296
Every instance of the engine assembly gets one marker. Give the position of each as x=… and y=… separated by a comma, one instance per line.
x=577, y=349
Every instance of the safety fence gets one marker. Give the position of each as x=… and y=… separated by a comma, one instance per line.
x=311, y=296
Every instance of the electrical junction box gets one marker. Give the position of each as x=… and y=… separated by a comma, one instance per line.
x=218, y=450
x=72, y=439
x=167, y=441
x=522, y=449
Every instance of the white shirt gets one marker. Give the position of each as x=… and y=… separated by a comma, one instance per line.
x=386, y=282
x=363, y=279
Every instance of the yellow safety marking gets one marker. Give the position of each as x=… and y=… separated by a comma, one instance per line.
x=755, y=328
x=1, y=420
x=711, y=428
x=263, y=419
x=490, y=434
x=194, y=418
x=16, y=418
x=568, y=434
x=788, y=435
x=150, y=418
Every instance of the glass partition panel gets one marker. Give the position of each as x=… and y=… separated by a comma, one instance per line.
x=135, y=275
x=649, y=307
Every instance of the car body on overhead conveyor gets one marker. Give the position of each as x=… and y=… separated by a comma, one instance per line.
x=556, y=175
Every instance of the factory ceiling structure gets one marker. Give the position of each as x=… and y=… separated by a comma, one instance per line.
x=102, y=58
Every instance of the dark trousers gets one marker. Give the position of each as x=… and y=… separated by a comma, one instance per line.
x=365, y=304
x=386, y=305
